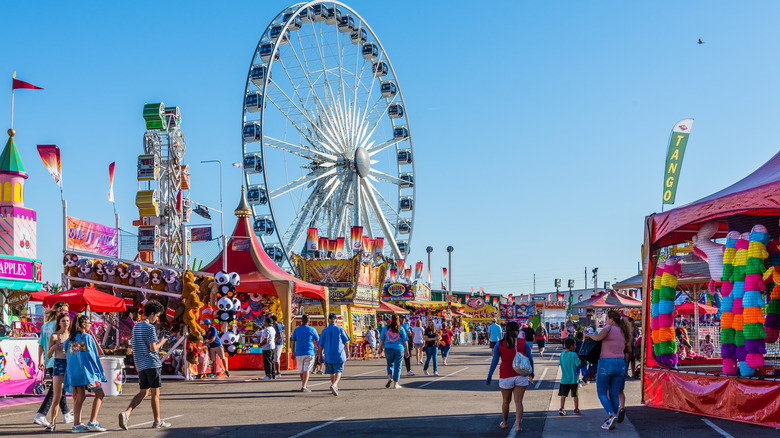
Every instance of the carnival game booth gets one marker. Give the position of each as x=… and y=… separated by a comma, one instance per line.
x=745, y=266
x=264, y=289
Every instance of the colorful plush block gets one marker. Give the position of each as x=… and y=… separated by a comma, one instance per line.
x=665, y=345
x=772, y=321
x=655, y=298
x=728, y=348
x=753, y=333
x=740, y=272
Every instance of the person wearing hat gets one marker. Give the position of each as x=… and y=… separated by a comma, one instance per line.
x=332, y=349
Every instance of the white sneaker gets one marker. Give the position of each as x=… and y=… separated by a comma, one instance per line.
x=409, y=373
x=427, y=373
x=68, y=417
x=436, y=373
x=397, y=386
x=41, y=420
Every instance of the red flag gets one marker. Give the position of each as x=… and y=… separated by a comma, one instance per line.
x=22, y=84
x=111, y=182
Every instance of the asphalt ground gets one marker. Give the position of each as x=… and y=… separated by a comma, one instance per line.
x=457, y=403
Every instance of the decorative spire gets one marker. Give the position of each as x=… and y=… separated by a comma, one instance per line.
x=243, y=209
x=10, y=160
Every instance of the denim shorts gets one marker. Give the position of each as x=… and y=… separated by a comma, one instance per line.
x=333, y=368
x=60, y=365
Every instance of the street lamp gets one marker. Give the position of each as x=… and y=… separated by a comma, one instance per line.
x=221, y=215
x=449, y=256
x=429, y=250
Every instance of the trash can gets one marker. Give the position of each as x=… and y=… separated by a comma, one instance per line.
x=113, y=367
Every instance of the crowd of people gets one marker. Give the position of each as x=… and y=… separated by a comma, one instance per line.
x=69, y=354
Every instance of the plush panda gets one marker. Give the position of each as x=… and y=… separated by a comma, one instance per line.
x=224, y=285
x=230, y=343
x=226, y=310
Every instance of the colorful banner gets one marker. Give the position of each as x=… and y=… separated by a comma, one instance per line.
x=392, y=274
x=400, y=264
x=312, y=239
x=111, y=182
x=200, y=234
x=329, y=271
x=379, y=246
x=444, y=278
x=397, y=292
x=243, y=245
x=16, y=269
x=323, y=244
x=366, y=243
x=418, y=271
x=674, y=158
x=93, y=238
x=356, y=237
x=408, y=273
x=50, y=154
x=340, y=248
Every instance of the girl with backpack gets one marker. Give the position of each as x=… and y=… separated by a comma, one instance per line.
x=510, y=382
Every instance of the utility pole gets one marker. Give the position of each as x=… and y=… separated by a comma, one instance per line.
x=534, y=283
x=586, y=277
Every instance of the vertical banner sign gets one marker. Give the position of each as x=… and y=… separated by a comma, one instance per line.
x=443, y=278
x=408, y=273
x=418, y=271
x=91, y=237
x=379, y=246
x=323, y=244
x=356, y=237
x=674, y=158
x=312, y=239
x=111, y=182
x=400, y=264
x=339, y=247
x=50, y=154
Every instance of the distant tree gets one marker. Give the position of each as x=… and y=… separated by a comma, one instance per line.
x=55, y=288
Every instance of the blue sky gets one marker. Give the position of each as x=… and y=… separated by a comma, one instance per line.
x=540, y=128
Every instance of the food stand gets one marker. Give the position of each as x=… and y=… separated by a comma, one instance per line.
x=740, y=212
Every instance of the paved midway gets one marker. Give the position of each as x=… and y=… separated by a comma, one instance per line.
x=455, y=404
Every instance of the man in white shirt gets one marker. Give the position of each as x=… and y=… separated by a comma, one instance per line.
x=268, y=345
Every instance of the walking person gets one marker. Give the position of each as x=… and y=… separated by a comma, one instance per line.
x=268, y=344
x=303, y=339
x=146, y=355
x=583, y=368
x=511, y=383
x=541, y=338
x=474, y=331
x=47, y=365
x=84, y=373
x=431, y=339
x=211, y=338
x=370, y=338
x=279, y=339
x=332, y=348
x=446, y=342
x=56, y=351
x=626, y=329
x=529, y=337
x=394, y=340
x=407, y=358
x=569, y=361
x=494, y=332
x=417, y=340
x=611, y=366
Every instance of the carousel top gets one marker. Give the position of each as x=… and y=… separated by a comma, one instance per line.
x=10, y=159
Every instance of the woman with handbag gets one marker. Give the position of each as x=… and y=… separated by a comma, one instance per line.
x=514, y=373
x=610, y=377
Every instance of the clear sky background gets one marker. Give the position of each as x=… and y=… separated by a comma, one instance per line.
x=540, y=128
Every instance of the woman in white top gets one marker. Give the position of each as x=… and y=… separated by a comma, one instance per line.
x=417, y=340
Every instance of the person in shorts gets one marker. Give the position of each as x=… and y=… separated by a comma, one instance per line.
x=303, y=339
x=47, y=366
x=146, y=348
x=569, y=361
x=541, y=338
x=332, y=348
x=512, y=384
x=211, y=338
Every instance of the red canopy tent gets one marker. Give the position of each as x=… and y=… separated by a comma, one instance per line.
x=81, y=297
x=385, y=307
x=611, y=300
x=686, y=308
x=748, y=201
x=39, y=296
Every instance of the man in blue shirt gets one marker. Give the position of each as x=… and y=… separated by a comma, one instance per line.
x=211, y=338
x=495, y=334
x=332, y=349
x=303, y=339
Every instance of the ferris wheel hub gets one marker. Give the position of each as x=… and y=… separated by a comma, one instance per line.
x=362, y=162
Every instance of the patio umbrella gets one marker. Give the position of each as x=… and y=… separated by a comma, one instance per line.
x=81, y=297
x=38, y=296
x=610, y=300
x=687, y=309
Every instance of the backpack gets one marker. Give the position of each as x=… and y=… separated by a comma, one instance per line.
x=539, y=332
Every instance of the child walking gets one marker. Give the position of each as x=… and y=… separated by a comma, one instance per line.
x=84, y=372
x=569, y=362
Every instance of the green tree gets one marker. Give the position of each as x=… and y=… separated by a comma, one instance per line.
x=55, y=288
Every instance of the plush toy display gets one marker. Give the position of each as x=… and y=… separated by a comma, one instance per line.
x=709, y=251
x=772, y=322
x=230, y=343
x=753, y=317
x=138, y=275
x=171, y=281
x=156, y=281
x=228, y=304
x=194, y=348
x=207, y=288
x=97, y=270
x=728, y=349
x=655, y=305
x=192, y=304
x=110, y=271
x=84, y=267
x=70, y=262
x=738, y=293
x=666, y=354
x=123, y=274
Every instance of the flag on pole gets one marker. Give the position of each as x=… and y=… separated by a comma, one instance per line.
x=418, y=268
x=674, y=158
x=50, y=154
x=238, y=165
x=443, y=278
x=111, y=182
x=17, y=84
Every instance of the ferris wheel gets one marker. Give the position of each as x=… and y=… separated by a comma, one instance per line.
x=326, y=138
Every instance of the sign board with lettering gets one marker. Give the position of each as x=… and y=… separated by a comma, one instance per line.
x=93, y=238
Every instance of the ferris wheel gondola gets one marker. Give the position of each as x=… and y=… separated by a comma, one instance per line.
x=326, y=138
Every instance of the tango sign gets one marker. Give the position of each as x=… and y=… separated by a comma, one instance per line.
x=674, y=158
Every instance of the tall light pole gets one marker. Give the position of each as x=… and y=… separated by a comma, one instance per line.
x=221, y=216
x=449, y=279
x=429, y=250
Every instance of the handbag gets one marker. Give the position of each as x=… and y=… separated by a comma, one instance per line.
x=590, y=350
x=521, y=364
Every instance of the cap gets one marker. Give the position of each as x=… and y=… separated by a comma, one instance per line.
x=206, y=321
x=332, y=317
